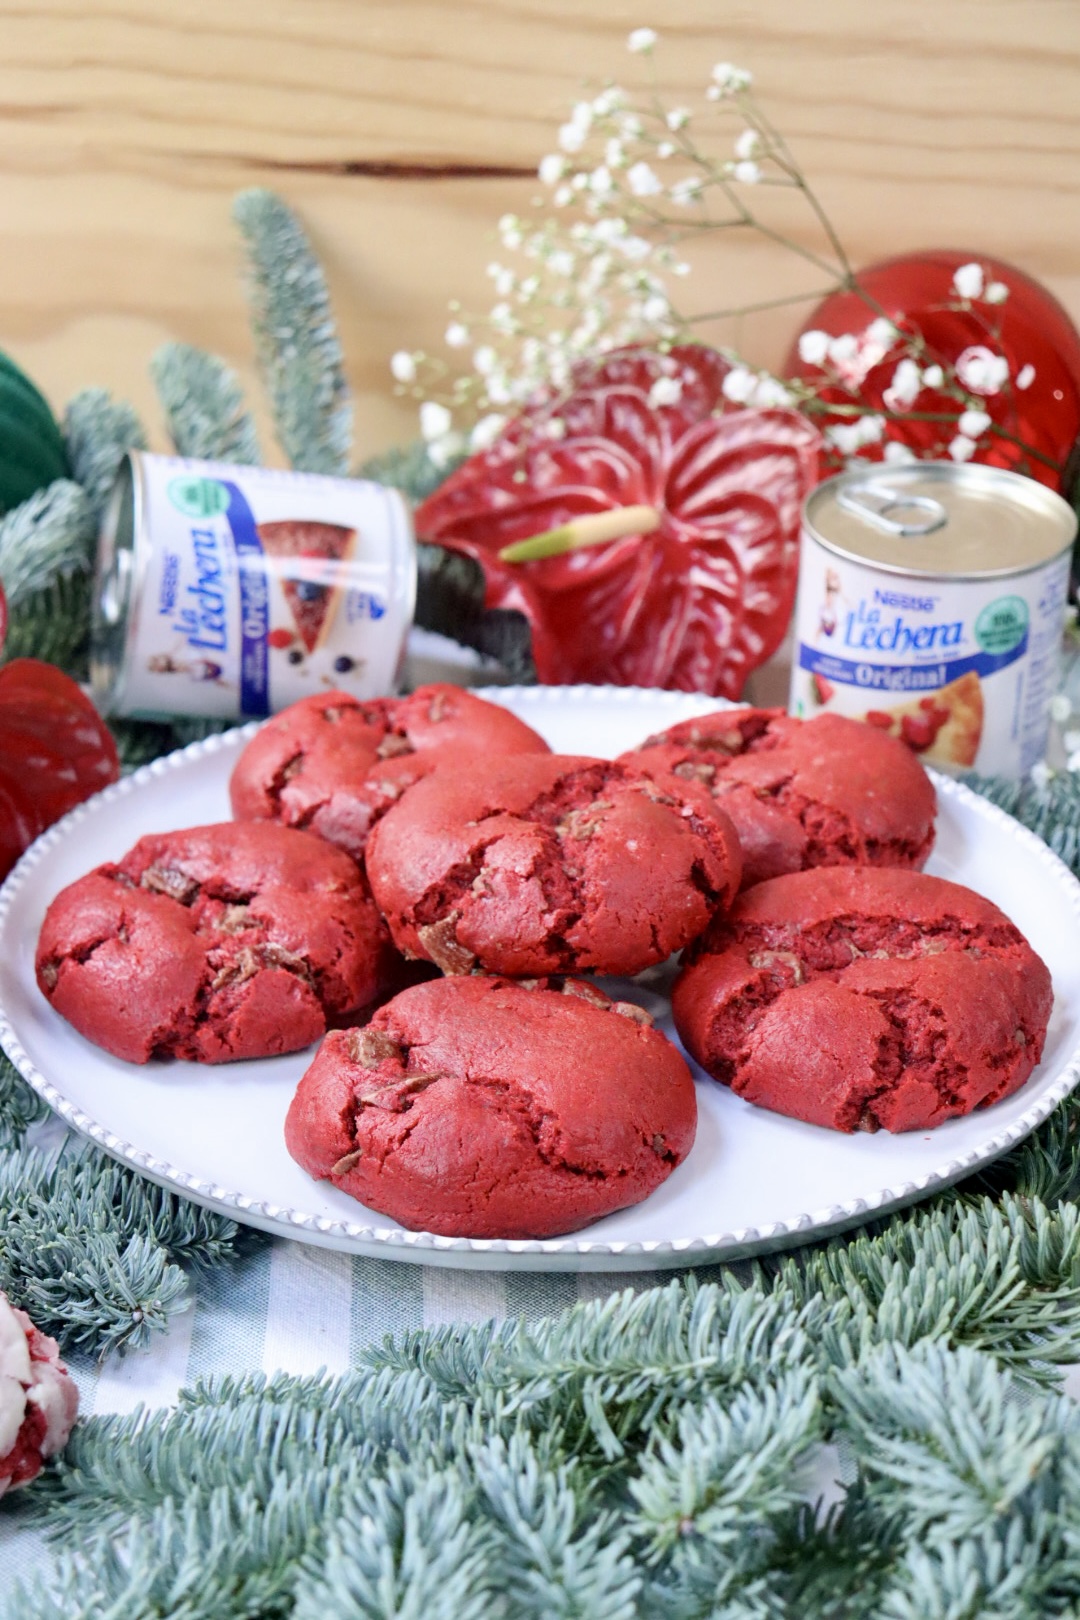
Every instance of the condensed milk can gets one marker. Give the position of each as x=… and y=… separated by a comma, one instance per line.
x=232, y=591
x=931, y=603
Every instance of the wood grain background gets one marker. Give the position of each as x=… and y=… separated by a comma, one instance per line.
x=402, y=129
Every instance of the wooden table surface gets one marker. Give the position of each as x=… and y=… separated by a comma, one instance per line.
x=402, y=129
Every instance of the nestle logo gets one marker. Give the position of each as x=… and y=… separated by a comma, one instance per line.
x=908, y=604
x=170, y=579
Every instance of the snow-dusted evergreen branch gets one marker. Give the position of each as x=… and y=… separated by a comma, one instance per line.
x=296, y=340
x=204, y=405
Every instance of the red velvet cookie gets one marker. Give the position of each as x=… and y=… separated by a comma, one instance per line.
x=235, y=941
x=333, y=765
x=550, y=863
x=860, y=998
x=822, y=792
x=476, y=1107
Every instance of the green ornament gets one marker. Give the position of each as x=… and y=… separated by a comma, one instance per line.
x=31, y=447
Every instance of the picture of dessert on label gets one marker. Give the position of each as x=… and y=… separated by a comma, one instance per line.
x=311, y=554
x=944, y=725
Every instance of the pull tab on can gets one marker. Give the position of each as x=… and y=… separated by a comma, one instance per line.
x=877, y=504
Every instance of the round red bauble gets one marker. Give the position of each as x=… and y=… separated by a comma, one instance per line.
x=1039, y=422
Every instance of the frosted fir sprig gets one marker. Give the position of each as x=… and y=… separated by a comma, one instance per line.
x=629, y=188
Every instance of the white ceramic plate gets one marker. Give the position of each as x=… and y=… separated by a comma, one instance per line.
x=754, y=1181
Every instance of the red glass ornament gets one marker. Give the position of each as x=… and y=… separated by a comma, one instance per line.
x=702, y=600
x=1040, y=423
x=55, y=751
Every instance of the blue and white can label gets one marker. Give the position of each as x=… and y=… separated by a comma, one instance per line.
x=232, y=591
x=931, y=604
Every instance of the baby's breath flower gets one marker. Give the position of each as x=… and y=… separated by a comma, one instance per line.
x=843, y=349
x=643, y=181
x=685, y=192
x=563, y=196
x=747, y=173
x=973, y=423
x=403, y=366
x=641, y=41
x=962, y=448
x=561, y=262
x=898, y=454
x=738, y=385
x=656, y=309
x=665, y=391
x=968, y=283
x=572, y=137
x=844, y=436
x=457, y=335
x=882, y=331
x=813, y=348
x=677, y=118
x=634, y=248
x=770, y=392
x=729, y=80
x=1060, y=708
x=981, y=370
x=435, y=420
x=442, y=450
x=510, y=232
x=485, y=360
x=933, y=377
x=486, y=431
x=608, y=101
x=630, y=127
x=748, y=144
x=665, y=149
x=905, y=387
x=555, y=428
x=1025, y=377
x=614, y=153
x=552, y=168
x=996, y=293
x=600, y=181
x=502, y=277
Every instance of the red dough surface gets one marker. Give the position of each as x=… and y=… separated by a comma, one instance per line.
x=823, y=792
x=333, y=764
x=235, y=941
x=550, y=864
x=474, y=1107
x=859, y=998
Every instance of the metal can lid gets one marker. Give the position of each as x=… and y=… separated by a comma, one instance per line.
x=934, y=518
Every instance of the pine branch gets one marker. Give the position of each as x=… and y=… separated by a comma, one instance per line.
x=296, y=342
x=204, y=406
x=90, y=1248
x=19, y=1106
x=46, y=560
x=410, y=469
x=1050, y=809
x=98, y=431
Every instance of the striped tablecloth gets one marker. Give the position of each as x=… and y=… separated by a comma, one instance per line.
x=294, y=1308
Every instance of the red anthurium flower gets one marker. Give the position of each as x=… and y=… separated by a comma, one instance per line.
x=701, y=600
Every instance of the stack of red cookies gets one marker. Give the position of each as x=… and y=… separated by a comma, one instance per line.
x=435, y=842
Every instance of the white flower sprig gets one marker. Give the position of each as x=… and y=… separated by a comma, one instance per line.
x=631, y=183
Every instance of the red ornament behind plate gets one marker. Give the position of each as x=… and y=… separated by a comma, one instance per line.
x=55, y=751
x=701, y=601
x=1028, y=329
